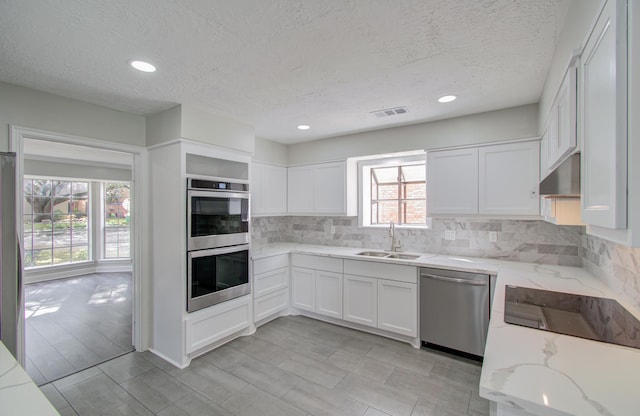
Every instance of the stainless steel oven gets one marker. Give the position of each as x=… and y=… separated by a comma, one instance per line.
x=217, y=214
x=217, y=275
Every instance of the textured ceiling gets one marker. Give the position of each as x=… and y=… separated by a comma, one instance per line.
x=279, y=63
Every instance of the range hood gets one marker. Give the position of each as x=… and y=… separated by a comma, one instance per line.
x=564, y=181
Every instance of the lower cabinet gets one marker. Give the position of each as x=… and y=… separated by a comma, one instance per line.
x=316, y=284
x=398, y=307
x=269, y=305
x=382, y=295
x=303, y=289
x=329, y=294
x=207, y=326
x=270, y=286
x=361, y=300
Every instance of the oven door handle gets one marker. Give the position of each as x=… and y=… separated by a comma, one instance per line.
x=219, y=194
x=216, y=251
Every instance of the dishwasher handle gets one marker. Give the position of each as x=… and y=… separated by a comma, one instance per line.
x=484, y=282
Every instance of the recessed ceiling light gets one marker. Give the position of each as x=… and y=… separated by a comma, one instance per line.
x=142, y=66
x=303, y=127
x=446, y=98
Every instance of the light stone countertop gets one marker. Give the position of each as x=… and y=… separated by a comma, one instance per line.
x=19, y=395
x=540, y=372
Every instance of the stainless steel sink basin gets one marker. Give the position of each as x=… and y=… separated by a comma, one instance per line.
x=372, y=254
x=388, y=255
x=403, y=256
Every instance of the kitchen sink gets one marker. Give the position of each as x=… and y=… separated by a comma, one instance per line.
x=403, y=256
x=373, y=254
x=388, y=255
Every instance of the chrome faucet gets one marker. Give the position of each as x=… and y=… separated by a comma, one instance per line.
x=395, y=244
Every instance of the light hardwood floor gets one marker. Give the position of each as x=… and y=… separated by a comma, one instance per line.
x=75, y=323
x=290, y=366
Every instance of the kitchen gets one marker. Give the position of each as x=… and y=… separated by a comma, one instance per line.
x=522, y=239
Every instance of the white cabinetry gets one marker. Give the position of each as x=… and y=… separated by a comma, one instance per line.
x=316, y=284
x=560, y=139
x=508, y=179
x=382, y=295
x=604, y=120
x=361, y=300
x=270, y=287
x=300, y=191
x=268, y=189
x=500, y=179
x=329, y=294
x=397, y=307
x=452, y=186
x=178, y=336
x=321, y=189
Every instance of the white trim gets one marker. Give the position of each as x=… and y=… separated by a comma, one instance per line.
x=139, y=223
x=476, y=145
x=364, y=185
x=77, y=162
x=44, y=274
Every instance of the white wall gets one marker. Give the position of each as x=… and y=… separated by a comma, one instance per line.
x=271, y=152
x=507, y=124
x=25, y=107
x=209, y=128
x=580, y=18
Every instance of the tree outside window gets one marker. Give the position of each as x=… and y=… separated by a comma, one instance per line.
x=117, y=206
x=55, y=222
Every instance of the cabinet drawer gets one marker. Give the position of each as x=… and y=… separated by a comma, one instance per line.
x=203, y=329
x=397, y=272
x=269, y=305
x=270, y=263
x=271, y=281
x=317, y=262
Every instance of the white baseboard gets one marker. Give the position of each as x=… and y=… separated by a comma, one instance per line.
x=44, y=274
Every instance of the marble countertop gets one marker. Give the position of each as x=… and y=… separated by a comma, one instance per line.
x=18, y=393
x=540, y=372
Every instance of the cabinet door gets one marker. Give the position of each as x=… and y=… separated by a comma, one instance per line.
x=544, y=156
x=361, y=300
x=552, y=138
x=452, y=182
x=398, y=307
x=604, y=110
x=509, y=179
x=303, y=289
x=271, y=281
x=256, y=188
x=329, y=294
x=274, y=189
x=329, y=187
x=300, y=190
x=566, y=113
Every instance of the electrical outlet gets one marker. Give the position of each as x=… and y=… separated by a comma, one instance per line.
x=449, y=235
x=333, y=229
x=493, y=236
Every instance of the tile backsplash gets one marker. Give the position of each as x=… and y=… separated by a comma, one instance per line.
x=518, y=240
x=617, y=265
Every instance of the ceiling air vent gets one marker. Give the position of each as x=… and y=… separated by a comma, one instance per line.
x=389, y=112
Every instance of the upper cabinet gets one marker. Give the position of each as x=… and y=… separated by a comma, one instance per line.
x=500, y=179
x=508, y=179
x=321, y=189
x=604, y=120
x=560, y=139
x=452, y=181
x=268, y=189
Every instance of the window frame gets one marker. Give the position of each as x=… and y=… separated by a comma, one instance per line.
x=89, y=227
x=365, y=167
x=103, y=221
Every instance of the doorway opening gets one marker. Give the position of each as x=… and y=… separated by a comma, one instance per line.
x=78, y=204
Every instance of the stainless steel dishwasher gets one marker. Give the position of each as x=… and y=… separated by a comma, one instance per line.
x=454, y=309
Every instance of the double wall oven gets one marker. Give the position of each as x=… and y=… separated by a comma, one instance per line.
x=217, y=242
